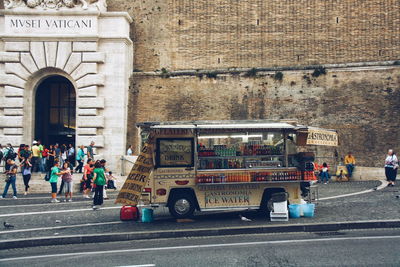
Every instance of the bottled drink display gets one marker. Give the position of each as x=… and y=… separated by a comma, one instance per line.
x=242, y=150
x=250, y=177
x=238, y=157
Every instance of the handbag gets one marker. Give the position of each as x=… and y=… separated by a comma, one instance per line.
x=7, y=179
x=47, y=177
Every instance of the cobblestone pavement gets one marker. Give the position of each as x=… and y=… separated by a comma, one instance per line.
x=377, y=205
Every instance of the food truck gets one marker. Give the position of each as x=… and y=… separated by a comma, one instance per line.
x=220, y=165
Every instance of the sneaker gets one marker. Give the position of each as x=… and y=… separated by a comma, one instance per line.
x=325, y=183
x=86, y=196
x=54, y=200
x=94, y=208
x=25, y=193
x=69, y=200
x=65, y=200
x=1, y=197
x=15, y=197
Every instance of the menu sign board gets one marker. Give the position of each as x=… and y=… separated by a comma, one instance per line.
x=138, y=177
x=175, y=152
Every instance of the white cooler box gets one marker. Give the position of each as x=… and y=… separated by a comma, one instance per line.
x=280, y=212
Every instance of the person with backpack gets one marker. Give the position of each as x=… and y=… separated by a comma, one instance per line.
x=9, y=155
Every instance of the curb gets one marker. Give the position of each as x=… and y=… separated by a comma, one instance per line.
x=115, y=237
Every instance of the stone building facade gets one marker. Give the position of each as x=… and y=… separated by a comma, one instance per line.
x=74, y=44
x=325, y=62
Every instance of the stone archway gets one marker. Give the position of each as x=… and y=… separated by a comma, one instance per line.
x=55, y=111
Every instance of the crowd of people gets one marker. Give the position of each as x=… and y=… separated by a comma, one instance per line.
x=58, y=162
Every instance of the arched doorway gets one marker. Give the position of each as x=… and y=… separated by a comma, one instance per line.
x=55, y=108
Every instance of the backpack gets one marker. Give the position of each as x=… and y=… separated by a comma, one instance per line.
x=11, y=154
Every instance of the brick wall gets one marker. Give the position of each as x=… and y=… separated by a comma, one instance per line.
x=202, y=34
x=362, y=104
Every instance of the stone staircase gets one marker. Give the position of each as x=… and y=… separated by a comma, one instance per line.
x=39, y=185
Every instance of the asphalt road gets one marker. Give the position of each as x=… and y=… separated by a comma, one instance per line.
x=344, y=248
x=34, y=216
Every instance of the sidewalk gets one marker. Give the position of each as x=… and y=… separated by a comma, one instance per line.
x=79, y=224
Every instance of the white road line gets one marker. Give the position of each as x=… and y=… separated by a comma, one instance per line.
x=383, y=185
x=48, y=197
x=54, y=211
x=52, y=204
x=199, y=246
x=59, y=227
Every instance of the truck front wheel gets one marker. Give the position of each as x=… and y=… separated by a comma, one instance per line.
x=182, y=206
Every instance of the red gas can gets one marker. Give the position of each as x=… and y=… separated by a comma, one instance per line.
x=129, y=213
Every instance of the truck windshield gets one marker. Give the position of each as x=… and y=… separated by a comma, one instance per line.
x=175, y=152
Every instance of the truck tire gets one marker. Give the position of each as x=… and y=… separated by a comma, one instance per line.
x=266, y=202
x=182, y=206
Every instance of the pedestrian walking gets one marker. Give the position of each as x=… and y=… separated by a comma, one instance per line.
x=35, y=156
x=67, y=179
x=26, y=168
x=391, y=167
x=99, y=180
x=350, y=162
x=21, y=149
x=40, y=161
x=45, y=155
x=55, y=173
x=1, y=153
x=9, y=154
x=87, y=177
x=71, y=156
x=11, y=178
x=80, y=155
x=64, y=153
x=103, y=165
x=89, y=151
x=51, y=157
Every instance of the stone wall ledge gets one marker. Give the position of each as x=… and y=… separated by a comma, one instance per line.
x=241, y=71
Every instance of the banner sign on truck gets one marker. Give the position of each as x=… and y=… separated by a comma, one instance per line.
x=138, y=177
x=322, y=137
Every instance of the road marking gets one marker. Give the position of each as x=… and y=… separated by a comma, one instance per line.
x=383, y=185
x=87, y=253
x=142, y=265
x=53, y=211
x=48, y=197
x=59, y=227
x=53, y=204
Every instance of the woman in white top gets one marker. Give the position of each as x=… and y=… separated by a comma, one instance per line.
x=391, y=166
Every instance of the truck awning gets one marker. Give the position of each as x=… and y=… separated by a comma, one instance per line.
x=231, y=126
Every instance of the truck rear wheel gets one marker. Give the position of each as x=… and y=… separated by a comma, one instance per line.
x=182, y=206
